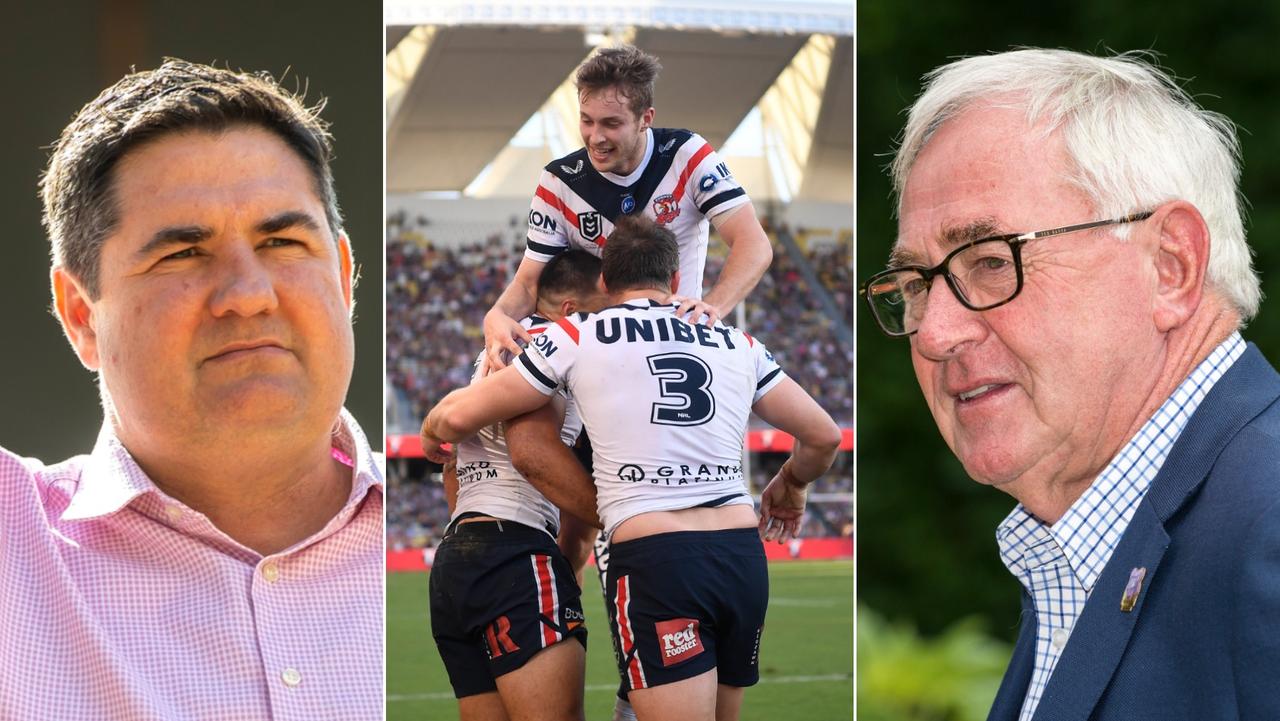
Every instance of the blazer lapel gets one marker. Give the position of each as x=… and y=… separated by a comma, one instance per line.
x=1102, y=633
x=1013, y=688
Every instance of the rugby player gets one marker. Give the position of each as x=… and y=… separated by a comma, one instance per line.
x=665, y=404
x=503, y=596
x=630, y=167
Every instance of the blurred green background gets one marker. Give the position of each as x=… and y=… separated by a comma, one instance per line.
x=59, y=55
x=936, y=605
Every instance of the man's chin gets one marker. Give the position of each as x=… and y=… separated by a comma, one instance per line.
x=991, y=465
x=260, y=399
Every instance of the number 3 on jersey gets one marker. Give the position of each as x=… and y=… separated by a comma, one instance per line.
x=683, y=382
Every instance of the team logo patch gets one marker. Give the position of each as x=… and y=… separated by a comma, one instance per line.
x=628, y=204
x=589, y=225
x=577, y=167
x=497, y=638
x=678, y=640
x=665, y=209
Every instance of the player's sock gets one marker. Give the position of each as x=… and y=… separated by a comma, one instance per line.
x=622, y=711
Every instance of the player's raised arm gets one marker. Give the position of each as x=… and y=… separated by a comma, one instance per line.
x=501, y=324
x=749, y=257
x=493, y=398
x=790, y=409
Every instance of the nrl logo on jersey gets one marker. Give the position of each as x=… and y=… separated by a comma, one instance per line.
x=665, y=209
x=589, y=226
x=577, y=167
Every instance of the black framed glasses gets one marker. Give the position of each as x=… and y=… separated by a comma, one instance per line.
x=983, y=274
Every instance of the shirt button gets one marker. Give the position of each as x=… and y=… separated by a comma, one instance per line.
x=174, y=513
x=1060, y=636
x=291, y=677
x=271, y=572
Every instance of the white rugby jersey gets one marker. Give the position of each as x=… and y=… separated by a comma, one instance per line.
x=680, y=184
x=489, y=484
x=665, y=403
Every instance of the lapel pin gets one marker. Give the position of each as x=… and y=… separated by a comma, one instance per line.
x=1132, y=589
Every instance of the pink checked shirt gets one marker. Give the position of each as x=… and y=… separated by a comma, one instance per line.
x=119, y=602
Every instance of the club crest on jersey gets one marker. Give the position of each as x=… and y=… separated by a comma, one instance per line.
x=589, y=225
x=628, y=204
x=678, y=640
x=665, y=209
x=574, y=170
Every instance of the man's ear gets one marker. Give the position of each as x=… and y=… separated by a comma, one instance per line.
x=568, y=307
x=646, y=118
x=75, y=310
x=346, y=269
x=1181, y=259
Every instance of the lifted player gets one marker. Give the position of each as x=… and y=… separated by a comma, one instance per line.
x=629, y=167
x=503, y=596
x=665, y=404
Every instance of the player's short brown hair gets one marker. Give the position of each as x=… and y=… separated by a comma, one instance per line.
x=625, y=67
x=639, y=253
x=79, y=208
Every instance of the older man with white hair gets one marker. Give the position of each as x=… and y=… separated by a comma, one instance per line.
x=1098, y=377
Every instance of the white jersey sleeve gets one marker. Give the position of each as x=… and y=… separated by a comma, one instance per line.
x=712, y=187
x=768, y=372
x=547, y=363
x=548, y=226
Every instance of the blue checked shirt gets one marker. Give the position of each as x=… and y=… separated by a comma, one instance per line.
x=1060, y=564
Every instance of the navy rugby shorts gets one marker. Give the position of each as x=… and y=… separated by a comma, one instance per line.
x=500, y=593
x=687, y=602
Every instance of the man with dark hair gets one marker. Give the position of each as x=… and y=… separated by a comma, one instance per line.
x=629, y=167
x=666, y=422
x=503, y=595
x=80, y=210
x=219, y=553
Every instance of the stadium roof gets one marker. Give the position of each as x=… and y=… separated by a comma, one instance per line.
x=463, y=86
x=832, y=17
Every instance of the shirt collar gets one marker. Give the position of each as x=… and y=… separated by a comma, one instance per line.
x=1089, y=531
x=628, y=179
x=641, y=302
x=109, y=481
x=112, y=479
x=367, y=465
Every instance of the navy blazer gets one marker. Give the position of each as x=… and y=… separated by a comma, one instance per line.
x=1203, y=640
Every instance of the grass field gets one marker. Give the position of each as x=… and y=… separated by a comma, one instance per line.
x=806, y=655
